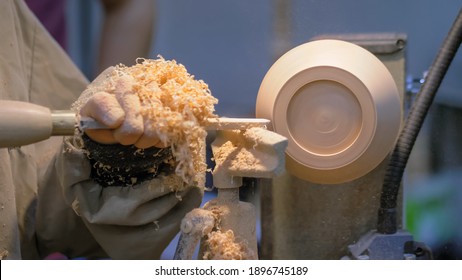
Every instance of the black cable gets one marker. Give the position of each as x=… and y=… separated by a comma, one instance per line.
x=387, y=222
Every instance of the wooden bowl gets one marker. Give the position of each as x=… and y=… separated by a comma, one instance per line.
x=337, y=104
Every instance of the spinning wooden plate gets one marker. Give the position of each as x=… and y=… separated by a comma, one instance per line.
x=337, y=104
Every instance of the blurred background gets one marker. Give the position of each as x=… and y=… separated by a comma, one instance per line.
x=232, y=44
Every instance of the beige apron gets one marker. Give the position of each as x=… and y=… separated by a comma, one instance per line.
x=47, y=201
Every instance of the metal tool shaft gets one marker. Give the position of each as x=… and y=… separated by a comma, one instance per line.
x=23, y=123
x=212, y=123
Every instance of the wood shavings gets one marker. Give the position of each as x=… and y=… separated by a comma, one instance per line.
x=174, y=183
x=174, y=105
x=254, y=152
x=237, y=155
x=223, y=246
x=177, y=107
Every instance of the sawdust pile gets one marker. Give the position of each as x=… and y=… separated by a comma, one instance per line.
x=242, y=158
x=174, y=104
x=240, y=153
x=223, y=246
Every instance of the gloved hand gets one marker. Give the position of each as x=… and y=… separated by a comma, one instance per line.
x=131, y=200
x=120, y=163
x=120, y=111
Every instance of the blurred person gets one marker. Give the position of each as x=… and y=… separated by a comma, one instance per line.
x=126, y=32
x=52, y=14
x=54, y=199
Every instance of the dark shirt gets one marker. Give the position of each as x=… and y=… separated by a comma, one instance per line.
x=51, y=14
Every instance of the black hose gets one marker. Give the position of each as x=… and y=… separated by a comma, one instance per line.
x=387, y=222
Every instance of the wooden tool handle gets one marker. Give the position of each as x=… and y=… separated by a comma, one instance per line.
x=23, y=123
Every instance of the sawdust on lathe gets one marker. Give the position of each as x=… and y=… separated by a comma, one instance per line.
x=222, y=244
x=239, y=155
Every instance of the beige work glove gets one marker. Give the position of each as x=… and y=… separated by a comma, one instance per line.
x=120, y=112
x=133, y=202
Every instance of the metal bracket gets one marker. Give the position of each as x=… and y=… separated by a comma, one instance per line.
x=397, y=246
